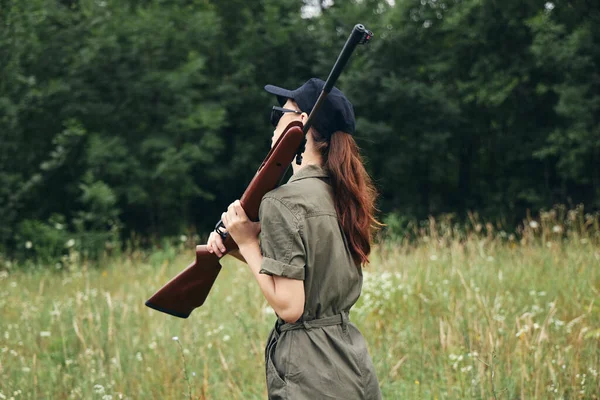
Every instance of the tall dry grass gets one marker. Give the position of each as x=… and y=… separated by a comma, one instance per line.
x=449, y=311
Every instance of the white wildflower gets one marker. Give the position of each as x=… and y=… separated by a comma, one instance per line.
x=44, y=333
x=175, y=338
x=534, y=224
x=557, y=229
x=268, y=310
x=183, y=238
x=138, y=356
x=99, y=389
x=522, y=331
x=226, y=338
x=28, y=244
x=549, y=6
x=433, y=257
x=70, y=243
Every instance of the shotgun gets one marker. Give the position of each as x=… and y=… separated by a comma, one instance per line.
x=190, y=288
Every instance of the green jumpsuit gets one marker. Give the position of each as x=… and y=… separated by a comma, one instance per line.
x=323, y=356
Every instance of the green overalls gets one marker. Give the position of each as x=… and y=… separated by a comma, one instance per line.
x=323, y=356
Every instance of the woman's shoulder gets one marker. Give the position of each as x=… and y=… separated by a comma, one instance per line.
x=302, y=198
x=283, y=198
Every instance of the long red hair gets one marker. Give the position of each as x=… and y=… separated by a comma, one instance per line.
x=354, y=192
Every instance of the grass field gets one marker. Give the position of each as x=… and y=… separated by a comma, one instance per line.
x=473, y=316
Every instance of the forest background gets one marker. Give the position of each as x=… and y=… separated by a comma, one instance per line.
x=142, y=120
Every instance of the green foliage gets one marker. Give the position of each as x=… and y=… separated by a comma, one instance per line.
x=149, y=117
x=44, y=242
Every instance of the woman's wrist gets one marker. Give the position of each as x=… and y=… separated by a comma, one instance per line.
x=249, y=247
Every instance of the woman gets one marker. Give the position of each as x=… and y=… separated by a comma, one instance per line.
x=315, y=233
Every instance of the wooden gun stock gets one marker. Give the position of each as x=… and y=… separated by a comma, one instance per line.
x=188, y=289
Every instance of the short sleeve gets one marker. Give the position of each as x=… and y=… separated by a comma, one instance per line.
x=280, y=241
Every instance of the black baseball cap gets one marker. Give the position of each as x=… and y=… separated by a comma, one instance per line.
x=336, y=112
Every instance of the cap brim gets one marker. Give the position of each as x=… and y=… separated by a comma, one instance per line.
x=281, y=93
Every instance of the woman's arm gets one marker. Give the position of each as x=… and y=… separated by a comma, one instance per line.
x=285, y=295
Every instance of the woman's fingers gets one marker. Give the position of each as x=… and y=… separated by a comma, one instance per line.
x=215, y=244
x=233, y=218
x=225, y=220
x=231, y=209
x=210, y=242
x=219, y=242
x=237, y=208
x=218, y=245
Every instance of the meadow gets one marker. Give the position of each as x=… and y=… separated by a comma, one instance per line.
x=448, y=313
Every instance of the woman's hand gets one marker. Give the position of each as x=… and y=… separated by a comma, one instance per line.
x=215, y=244
x=241, y=229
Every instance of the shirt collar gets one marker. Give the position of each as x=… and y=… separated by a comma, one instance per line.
x=309, y=171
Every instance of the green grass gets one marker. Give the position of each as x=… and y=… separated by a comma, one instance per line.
x=446, y=317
